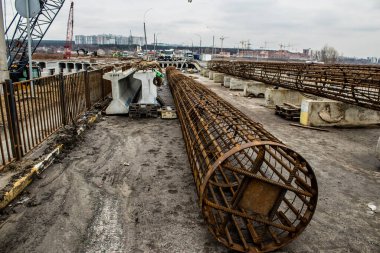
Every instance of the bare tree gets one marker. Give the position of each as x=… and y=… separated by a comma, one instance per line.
x=329, y=54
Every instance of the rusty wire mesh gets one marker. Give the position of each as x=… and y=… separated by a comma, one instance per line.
x=353, y=84
x=256, y=194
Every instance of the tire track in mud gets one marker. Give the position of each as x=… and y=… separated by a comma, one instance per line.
x=126, y=188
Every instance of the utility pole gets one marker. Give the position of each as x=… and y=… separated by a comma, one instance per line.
x=4, y=74
x=154, y=43
x=200, y=44
x=146, y=40
x=213, y=45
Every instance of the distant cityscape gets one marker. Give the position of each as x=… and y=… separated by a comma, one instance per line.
x=108, y=39
x=109, y=43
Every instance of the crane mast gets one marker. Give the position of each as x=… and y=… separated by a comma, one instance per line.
x=16, y=35
x=69, y=35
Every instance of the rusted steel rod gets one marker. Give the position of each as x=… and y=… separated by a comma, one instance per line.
x=256, y=194
x=353, y=84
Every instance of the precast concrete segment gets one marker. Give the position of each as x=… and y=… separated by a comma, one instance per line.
x=256, y=194
x=353, y=84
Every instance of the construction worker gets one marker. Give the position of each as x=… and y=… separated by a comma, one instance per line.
x=158, y=80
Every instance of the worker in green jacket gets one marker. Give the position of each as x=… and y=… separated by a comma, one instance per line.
x=158, y=80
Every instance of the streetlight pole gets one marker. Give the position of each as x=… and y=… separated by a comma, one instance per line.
x=146, y=41
x=200, y=44
x=213, y=46
x=4, y=74
x=155, y=43
x=213, y=41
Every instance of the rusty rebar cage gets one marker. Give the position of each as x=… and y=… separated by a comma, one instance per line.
x=256, y=194
x=353, y=84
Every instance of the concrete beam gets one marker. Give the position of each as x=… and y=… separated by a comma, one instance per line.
x=130, y=87
x=123, y=91
x=280, y=96
x=148, y=89
x=333, y=113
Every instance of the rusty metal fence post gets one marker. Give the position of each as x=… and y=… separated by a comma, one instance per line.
x=62, y=98
x=10, y=105
x=103, y=84
x=87, y=89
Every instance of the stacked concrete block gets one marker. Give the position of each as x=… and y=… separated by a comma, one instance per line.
x=211, y=75
x=227, y=81
x=237, y=84
x=219, y=77
x=203, y=72
x=327, y=112
x=280, y=96
x=255, y=88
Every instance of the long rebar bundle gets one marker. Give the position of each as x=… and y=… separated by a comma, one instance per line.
x=353, y=84
x=256, y=194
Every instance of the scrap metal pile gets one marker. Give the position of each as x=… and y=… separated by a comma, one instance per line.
x=353, y=84
x=256, y=194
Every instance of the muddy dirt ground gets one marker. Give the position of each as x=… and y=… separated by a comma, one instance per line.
x=128, y=187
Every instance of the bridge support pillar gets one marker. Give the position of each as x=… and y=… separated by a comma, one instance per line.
x=327, y=112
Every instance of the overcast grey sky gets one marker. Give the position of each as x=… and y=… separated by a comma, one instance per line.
x=351, y=26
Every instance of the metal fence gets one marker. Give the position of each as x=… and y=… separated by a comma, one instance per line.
x=30, y=115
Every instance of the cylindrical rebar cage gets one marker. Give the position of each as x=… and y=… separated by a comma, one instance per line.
x=256, y=194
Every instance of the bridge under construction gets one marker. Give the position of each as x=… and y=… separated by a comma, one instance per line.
x=228, y=165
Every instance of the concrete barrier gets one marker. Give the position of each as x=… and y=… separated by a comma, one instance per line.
x=206, y=73
x=211, y=75
x=255, y=88
x=333, y=113
x=219, y=77
x=237, y=84
x=280, y=96
x=227, y=81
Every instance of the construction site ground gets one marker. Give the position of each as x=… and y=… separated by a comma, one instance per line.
x=128, y=187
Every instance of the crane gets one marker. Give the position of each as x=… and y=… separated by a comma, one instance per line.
x=69, y=34
x=17, y=36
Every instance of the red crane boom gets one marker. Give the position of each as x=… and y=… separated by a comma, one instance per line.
x=69, y=36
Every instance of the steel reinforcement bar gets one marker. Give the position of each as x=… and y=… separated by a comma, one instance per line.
x=256, y=194
x=353, y=84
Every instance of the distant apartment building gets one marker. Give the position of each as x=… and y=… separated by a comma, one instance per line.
x=108, y=39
